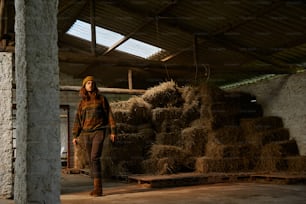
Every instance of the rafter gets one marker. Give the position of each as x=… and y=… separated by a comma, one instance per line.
x=226, y=28
x=146, y=22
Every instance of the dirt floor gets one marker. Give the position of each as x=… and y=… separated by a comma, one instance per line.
x=75, y=189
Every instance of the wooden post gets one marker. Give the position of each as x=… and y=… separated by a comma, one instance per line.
x=130, y=79
x=93, y=26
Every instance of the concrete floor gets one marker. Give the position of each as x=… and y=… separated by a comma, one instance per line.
x=75, y=189
x=131, y=193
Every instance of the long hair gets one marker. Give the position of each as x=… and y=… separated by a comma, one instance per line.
x=85, y=95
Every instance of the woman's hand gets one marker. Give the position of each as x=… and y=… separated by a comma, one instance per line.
x=112, y=137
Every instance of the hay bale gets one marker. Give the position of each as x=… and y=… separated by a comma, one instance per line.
x=160, y=151
x=190, y=112
x=129, y=148
x=280, y=149
x=220, y=114
x=194, y=140
x=182, y=159
x=272, y=164
x=146, y=132
x=256, y=125
x=164, y=95
x=266, y=137
x=121, y=116
x=108, y=168
x=123, y=128
x=159, y=115
x=119, y=105
x=215, y=150
x=171, y=138
x=133, y=111
x=296, y=163
x=210, y=94
x=174, y=125
x=81, y=160
x=140, y=110
x=149, y=166
x=189, y=94
x=273, y=155
x=226, y=165
x=227, y=135
x=166, y=165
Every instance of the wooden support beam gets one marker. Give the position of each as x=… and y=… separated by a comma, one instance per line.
x=152, y=66
x=213, y=36
x=130, y=79
x=140, y=27
x=93, y=26
x=106, y=90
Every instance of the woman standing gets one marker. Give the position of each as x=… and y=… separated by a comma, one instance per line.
x=92, y=119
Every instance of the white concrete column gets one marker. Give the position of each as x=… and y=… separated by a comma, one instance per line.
x=38, y=165
x=6, y=125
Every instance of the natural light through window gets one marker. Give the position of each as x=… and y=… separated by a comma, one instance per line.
x=107, y=38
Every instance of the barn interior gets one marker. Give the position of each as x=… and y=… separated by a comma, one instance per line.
x=218, y=99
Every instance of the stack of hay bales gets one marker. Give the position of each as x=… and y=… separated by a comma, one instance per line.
x=171, y=129
x=277, y=152
x=134, y=138
x=166, y=155
x=227, y=149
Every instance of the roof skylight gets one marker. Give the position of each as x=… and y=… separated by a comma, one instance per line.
x=107, y=38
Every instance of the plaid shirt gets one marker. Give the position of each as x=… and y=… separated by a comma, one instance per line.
x=93, y=114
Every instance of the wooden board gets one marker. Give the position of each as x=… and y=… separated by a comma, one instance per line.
x=186, y=179
x=279, y=178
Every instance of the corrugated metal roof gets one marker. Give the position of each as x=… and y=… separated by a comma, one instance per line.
x=237, y=39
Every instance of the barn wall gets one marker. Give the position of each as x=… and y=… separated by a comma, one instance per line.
x=285, y=97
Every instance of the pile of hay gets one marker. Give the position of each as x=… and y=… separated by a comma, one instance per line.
x=296, y=163
x=164, y=95
x=174, y=125
x=255, y=125
x=129, y=149
x=167, y=159
x=206, y=165
x=219, y=151
x=228, y=135
x=171, y=129
x=160, y=115
x=171, y=138
x=273, y=155
x=269, y=136
x=133, y=111
x=194, y=140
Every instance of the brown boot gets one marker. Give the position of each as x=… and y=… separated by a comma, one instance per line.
x=97, y=191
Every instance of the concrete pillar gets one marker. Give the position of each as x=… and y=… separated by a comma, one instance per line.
x=38, y=164
x=6, y=125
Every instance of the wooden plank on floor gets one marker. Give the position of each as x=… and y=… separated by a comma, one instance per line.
x=279, y=178
x=186, y=179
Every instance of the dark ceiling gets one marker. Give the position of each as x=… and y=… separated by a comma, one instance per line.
x=218, y=41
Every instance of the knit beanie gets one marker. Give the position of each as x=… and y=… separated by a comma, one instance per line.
x=86, y=79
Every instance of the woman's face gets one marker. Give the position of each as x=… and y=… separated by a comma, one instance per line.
x=89, y=86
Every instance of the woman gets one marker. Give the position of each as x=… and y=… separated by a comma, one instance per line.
x=92, y=119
